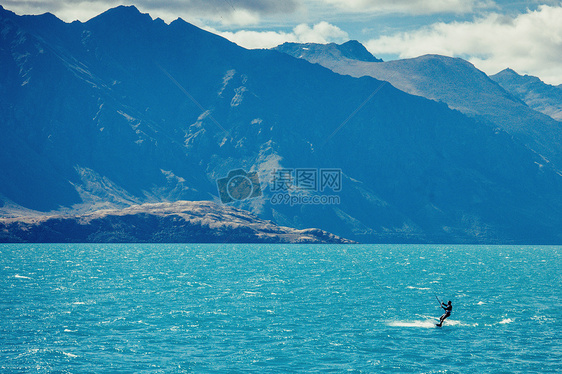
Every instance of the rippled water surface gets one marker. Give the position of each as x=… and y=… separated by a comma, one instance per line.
x=279, y=308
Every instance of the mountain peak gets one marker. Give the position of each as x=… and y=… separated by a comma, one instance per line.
x=508, y=72
x=122, y=13
x=540, y=96
x=512, y=75
x=356, y=51
x=351, y=50
x=123, y=9
x=5, y=12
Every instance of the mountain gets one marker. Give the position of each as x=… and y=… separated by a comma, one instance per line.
x=457, y=83
x=178, y=222
x=126, y=110
x=351, y=50
x=538, y=95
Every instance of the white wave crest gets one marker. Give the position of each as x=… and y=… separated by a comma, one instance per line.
x=423, y=324
x=430, y=323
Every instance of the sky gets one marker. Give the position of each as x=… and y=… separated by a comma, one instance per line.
x=525, y=36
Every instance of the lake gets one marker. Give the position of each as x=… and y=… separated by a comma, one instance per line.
x=224, y=308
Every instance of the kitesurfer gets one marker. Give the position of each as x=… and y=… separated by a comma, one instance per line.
x=448, y=309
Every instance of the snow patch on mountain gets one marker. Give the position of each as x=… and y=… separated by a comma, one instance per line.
x=238, y=97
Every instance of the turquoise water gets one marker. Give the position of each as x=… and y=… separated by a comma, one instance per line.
x=279, y=309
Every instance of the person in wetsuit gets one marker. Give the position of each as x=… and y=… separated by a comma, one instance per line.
x=448, y=309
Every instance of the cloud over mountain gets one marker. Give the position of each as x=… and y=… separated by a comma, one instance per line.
x=225, y=11
x=529, y=42
x=322, y=32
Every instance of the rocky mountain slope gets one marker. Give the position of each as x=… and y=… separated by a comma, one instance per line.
x=179, y=222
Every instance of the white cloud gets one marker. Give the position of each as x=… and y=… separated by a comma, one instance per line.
x=529, y=43
x=238, y=17
x=322, y=32
x=228, y=12
x=410, y=6
x=67, y=10
x=242, y=12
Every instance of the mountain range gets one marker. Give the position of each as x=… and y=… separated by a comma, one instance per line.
x=125, y=110
x=521, y=112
